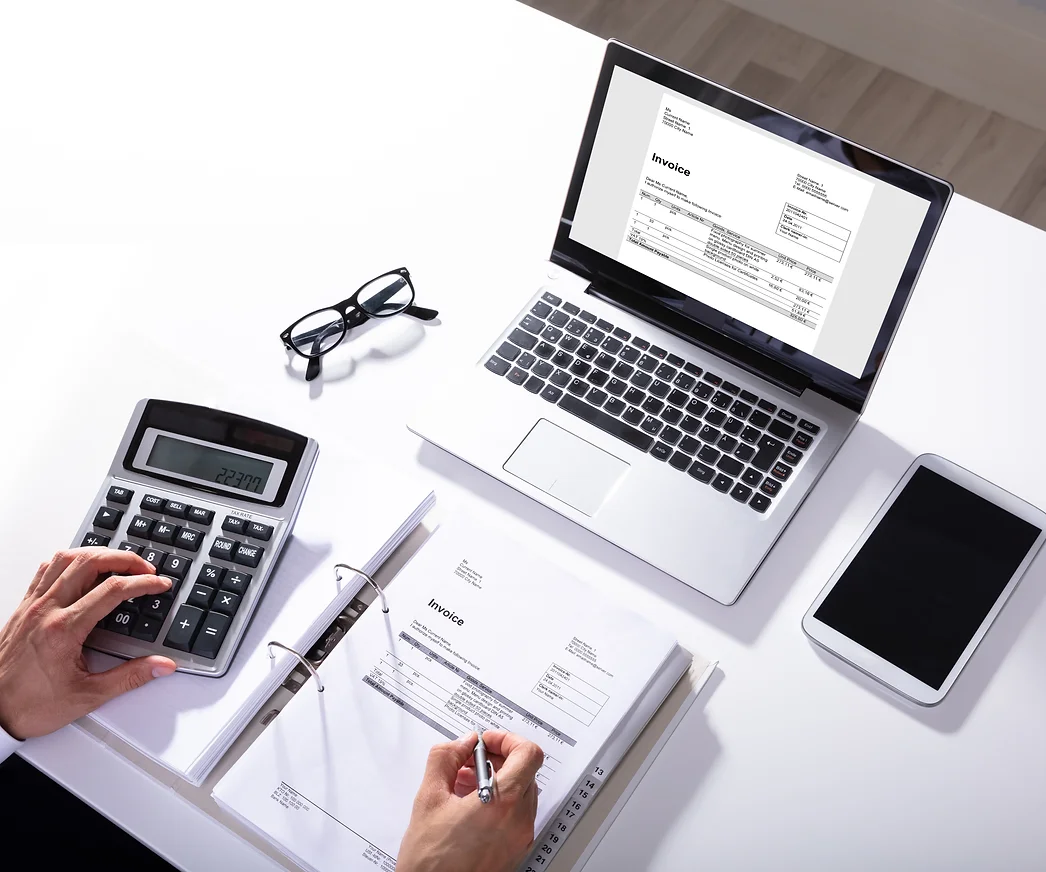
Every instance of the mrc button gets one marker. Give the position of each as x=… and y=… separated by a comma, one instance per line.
x=248, y=555
x=223, y=548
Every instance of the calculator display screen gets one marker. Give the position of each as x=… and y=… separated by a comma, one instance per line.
x=210, y=464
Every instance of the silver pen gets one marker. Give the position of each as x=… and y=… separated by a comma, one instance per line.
x=484, y=772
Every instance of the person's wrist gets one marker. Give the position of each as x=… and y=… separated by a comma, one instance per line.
x=8, y=711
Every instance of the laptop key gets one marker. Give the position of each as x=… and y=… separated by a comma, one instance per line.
x=653, y=405
x=629, y=354
x=802, y=440
x=651, y=425
x=641, y=344
x=709, y=434
x=809, y=426
x=576, y=327
x=759, y=419
x=544, y=350
x=641, y=379
x=759, y=503
x=708, y=454
x=678, y=398
x=671, y=415
x=605, y=326
x=733, y=426
x=666, y=372
x=526, y=360
x=497, y=366
x=690, y=424
x=616, y=387
x=605, y=361
x=679, y=461
x=675, y=360
x=696, y=407
x=791, y=456
x=647, y=363
x=749, y=397
x=659, y=388
x=551, y=299
x=614, y=406
x=534, y=384
x=770, y=487
x=542, y=369
x=578, y=387
x=551, y=334
x=517, y=376
x=623, y=335
x=785, y=415
x=690, y=445
x=744, y=452
x=670, y=435
x=611, y=345
x=571, y=308
x=658, y=352
x=727, y=444
x=596, y=397
x=634, y=397
x=752, y=477
x=633, y=415
x=769, y=450
x=587, y=317
x=598, y=377
x=703, y=390
x=767, y=406
x=715, y=417
x=780, y=429
x=692, y=368
x=712, y=379
x=721, y=400
x=532, y=324
x=684, y=381
x=722, y=483
x=551, y=393
x=741, y=492
x=750, y=435
x=562, y=359
x=701, y=472
x=508, y=351
x=523, y=339
x=781, y=471
x=587, y=352
x=660, y=451
x=594, y=336
x=559, y=318
x=569, y=343
x=623, y=370
x=740, y=410
x=731, y=388
x=607, y=423
x=560, y=378
x=540, y=309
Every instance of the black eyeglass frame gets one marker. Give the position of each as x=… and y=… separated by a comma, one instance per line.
x=353, y=315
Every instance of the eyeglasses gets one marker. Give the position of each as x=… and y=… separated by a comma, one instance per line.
x=313, y=335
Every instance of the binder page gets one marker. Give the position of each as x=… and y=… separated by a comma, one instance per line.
x=480, y=634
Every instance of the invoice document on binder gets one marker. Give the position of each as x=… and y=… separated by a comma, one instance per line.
x=476, y=637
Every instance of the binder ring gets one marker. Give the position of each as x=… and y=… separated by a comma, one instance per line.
x=302, y=660
x=370, y=581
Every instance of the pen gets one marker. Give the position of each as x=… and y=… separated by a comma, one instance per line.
x=484, y=772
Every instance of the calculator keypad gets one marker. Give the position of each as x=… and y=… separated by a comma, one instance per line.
x=169, y=533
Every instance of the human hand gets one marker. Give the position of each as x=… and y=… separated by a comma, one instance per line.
x=451, y=830
x=44, y=682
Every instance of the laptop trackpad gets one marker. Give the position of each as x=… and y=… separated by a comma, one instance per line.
x=566, y=467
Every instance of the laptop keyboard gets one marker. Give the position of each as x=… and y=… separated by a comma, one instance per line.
x=717, y=432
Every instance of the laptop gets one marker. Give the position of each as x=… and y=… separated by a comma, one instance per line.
x=723, y=289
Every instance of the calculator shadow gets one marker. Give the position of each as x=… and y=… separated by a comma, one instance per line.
x=393, y=337
x=866, y=455
x=951, y=713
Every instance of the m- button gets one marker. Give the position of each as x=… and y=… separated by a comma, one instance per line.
x=248, y=555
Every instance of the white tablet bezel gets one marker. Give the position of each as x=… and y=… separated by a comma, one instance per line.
x=872, y=664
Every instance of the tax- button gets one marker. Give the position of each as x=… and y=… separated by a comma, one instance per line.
x=248, y=555
x=223, y=548
x=259, y=531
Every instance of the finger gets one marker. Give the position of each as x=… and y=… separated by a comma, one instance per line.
x=54, y=568
x=441, y=770
x=466, y=782
x=87, y=564
x=97, y=603
x=104, y=686
x=40, y=570
x=523, y=759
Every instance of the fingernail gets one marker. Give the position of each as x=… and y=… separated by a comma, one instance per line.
x=165, y=578
x=162, y=671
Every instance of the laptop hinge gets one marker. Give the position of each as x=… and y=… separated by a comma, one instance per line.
x=735, y=352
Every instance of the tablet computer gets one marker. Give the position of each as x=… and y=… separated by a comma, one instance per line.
x=918, y=591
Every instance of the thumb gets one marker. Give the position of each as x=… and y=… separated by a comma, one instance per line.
x=129, y=676
x=441, y=770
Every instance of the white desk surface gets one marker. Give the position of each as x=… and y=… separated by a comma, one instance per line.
x=178, y=183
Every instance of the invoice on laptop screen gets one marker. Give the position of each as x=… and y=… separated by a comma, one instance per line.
x=729, y=213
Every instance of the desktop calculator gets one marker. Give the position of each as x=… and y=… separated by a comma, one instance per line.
x=209, y=498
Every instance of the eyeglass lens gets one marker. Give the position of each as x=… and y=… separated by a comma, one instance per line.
x=385, y=296
x=318, y=333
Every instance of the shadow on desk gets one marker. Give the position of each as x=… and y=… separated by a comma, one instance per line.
x=865, y=455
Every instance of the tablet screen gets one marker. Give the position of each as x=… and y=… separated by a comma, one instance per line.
x=927, y=576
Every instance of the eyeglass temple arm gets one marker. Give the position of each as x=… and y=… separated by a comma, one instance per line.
x=421, y=313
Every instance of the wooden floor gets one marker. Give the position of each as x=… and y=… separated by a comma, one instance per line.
x=995, y=160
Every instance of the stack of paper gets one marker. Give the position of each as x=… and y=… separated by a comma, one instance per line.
x=480, y=634
x=354, y=512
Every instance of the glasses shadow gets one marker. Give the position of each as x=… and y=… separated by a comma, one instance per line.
x=394, y=337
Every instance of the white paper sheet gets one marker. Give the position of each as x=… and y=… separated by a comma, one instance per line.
x=481, y=633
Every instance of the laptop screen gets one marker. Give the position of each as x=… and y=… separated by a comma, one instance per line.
x=781, y=236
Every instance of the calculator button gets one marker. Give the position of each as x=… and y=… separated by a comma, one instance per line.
x=119, y=495
x=146, y=628
x=259, y=531
x=226, y=602
x=156, y=606
x=212, y=634
x=211, y=574
x=248, y=555
x=164, y=533
x=108, y=519
x=223, y=548
x=176, y=567
x=155, y=557
x=130, y=546
x=94, y=539
x=152, y=503
x=189, y=539
x=141, y=526
x=200, y=596
x=183, y=628
x=236, y=581
x=232, y=524
x=121, y=621
x=176, y=509
x=201, y=516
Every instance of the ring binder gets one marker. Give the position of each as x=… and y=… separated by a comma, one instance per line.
x=370, y=581
x=304, y=662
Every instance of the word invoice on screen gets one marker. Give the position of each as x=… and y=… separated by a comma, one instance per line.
x=748, y=225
